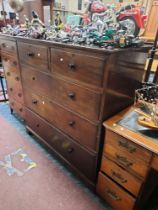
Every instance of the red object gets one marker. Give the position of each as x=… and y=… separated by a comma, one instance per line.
x=135, y=14
x=98, y=7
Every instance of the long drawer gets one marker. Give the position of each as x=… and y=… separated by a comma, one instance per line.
x=69, y=150
x=121, y=176
x=78, y=66
x=34, y=55
x=113, y=194
x=75, y=126
x=74, y=97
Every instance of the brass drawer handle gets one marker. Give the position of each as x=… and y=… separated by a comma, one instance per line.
x=118, y=176
x=113, y=195
x=72, y=66
x=21, y=109
x=11, y=89
x=70, y=150
x=37, y=125
x=71, y=95
x=33, y=78
x=30, y=54
x=123, y=160
x=34, y=101
x=71, y=123
x=3, y=45
x=127, y=146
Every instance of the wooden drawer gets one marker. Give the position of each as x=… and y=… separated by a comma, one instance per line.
x=113, y=194
x=75, y=126
x=8, y=47
x=76, y=98
x=78, y=66
x=10, y=64
x=129, y=162
x=155, y=162
x=122, y=144
x=125, y=179
x=69, y=150
x=17, y=107
x=34, y=55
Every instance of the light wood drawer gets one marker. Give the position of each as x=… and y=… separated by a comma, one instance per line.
x=124, y=145
x=9, y=47
x=34, y=55
x=113, y=194
x=78, y=128
x=125, y=179
x=10, y=64
x=76, y=98
x=17, y=107
x=14, y=87
x=78, y=66
x=66, y=148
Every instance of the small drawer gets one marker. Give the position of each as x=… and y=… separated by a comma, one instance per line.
x=154, y=164
x=34, y=55
x=8, y=47
x=10, y=64
x=124, y=145
x=14, y=87
x=78, y=128
x=17, y=107
x=122, y=177
x=76, y=98
x=114, y=195
x=78, y=65
x=69, y=150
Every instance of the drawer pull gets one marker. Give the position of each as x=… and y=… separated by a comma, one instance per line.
x=70, y=150
x=11, y=89
x=20, y=109
x=17, y=78
x=33, y=78
x=71, y=95
x=19, y=94
x=112, y=195
x=124, y=161
x=127, y=146
x=34, y=101
x=3, y=45
x=8, y=73
x=71, y=123
x=72, y=66
x=37, y=125
x=30, y=54
x=15, y=63
x=118, y=176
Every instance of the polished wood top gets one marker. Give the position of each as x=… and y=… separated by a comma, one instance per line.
x=131, y=134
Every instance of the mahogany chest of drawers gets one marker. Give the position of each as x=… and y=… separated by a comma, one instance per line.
x=68, y=92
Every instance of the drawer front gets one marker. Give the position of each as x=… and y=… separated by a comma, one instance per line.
x=34, y=55
x=14, y=87
x=77, y=65
x=129, y=162
x=76, y=98
x=113, y=194
x=8, y=47
x=17, y=107
x=122, y=177
x=78, y=128
x=63, y=145
x=124, y=145
x=155, y=162
x=10, y=64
